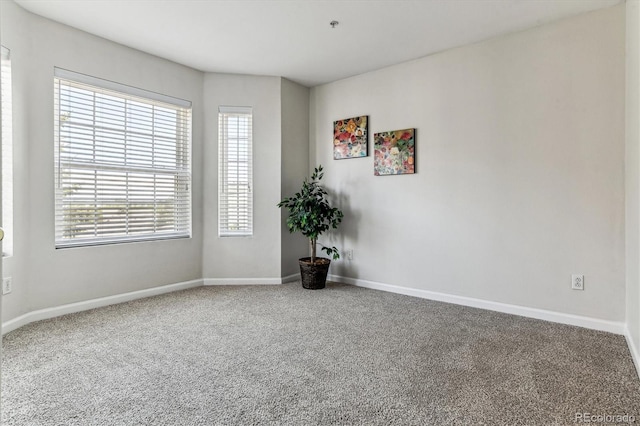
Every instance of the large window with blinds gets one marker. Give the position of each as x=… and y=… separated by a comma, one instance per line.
x=235, y=195
x=122, y=163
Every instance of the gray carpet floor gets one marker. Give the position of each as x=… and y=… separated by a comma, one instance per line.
x=251, y=355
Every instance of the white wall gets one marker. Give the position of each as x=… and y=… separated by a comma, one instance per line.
x=520, y=169
x=244, y=257
x=295, y=166
x=520, y=162
x=632, y=219
x=15, y=35
x=46, y=277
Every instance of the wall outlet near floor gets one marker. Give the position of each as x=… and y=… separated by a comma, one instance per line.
x=348, y=254
x=7, y=285
x=577, y=282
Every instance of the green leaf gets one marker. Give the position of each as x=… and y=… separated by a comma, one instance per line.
x=309, y=209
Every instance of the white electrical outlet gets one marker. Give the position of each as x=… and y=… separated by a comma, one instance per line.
x=577, y=282
x=349, y=254
x=7, y=285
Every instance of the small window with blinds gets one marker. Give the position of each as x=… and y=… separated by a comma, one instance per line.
x=7, y=150
x=122, y=163
x=235, y=195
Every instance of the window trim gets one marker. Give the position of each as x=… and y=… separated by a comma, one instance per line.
x=101, y=83
x=222, y=146
x=132, y=93
x=7, y=155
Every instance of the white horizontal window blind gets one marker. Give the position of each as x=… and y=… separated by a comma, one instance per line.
x=235, y=195
x=122, y=163
x=7, y=150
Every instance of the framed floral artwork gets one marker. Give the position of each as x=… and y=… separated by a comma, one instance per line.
x=350, y=138
x=395, y=152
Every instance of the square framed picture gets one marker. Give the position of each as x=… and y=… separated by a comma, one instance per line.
x=350, y=137
x=395, y=152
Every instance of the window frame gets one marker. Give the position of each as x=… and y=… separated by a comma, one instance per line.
x=224, y=141
x=125, y=169
x=7, y=150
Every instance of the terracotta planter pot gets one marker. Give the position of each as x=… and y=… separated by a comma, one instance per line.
x=314, y=275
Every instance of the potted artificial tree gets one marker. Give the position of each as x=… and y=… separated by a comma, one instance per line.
x=311, y=214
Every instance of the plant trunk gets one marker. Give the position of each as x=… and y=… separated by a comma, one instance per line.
x=313, y=251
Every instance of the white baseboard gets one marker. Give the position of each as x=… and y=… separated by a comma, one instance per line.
x=42, y=314
x=242, y=281
x=633, y=349
x=559, y=317
x=580, y=321
x=291, y=278
x=252, y=281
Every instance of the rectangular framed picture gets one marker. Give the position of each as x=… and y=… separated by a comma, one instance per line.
x=395, y=152
x=350, y=138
